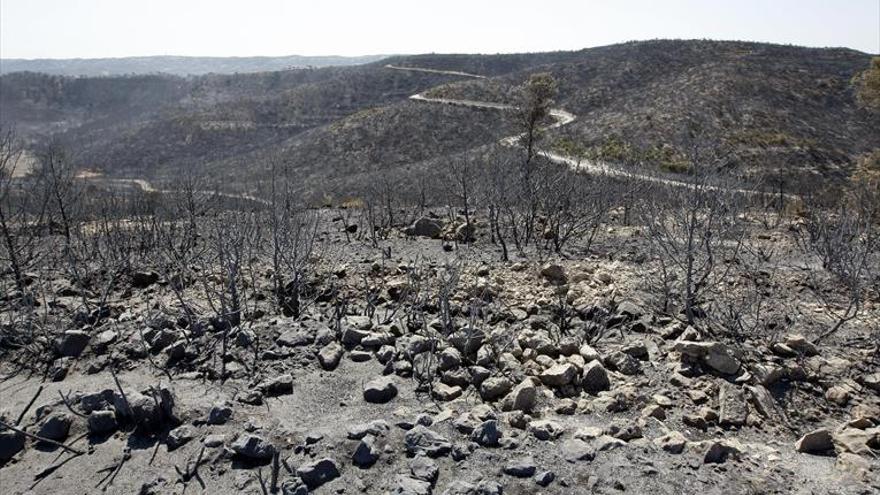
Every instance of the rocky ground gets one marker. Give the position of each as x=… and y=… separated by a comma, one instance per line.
x=489, y=398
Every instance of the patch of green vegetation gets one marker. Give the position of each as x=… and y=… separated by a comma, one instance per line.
x=765, y=138
x=616, y=150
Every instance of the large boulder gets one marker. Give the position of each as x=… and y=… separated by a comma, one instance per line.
x=424, y=227
x=816, y=442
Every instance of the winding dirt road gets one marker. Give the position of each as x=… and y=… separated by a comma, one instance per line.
x=562, y=118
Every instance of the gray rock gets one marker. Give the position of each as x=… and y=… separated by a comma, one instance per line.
x=574, y=450
x=295, y=338
x=143, y=279
x=522, y=398
x=280, y=385
x=213, y=441
x=445, y=393
x=316, y=473
x=219, y=413
x=595, y=377
x=559, y=375
x=11, y=443
x=424, y=469
x=545, y=478
x=253, y=447
x=421, y=440
x=672, y=442
x=72, y=343
x=366, y=453
x=404, y=485
x=524, y=467
x=103, y=421
x=487, y=434
x=375, y=428
x=546, y=430
x=424, y=227
x=720, y=451
x=733, y=408
x=294, y=486
x=816, y=442
x=330, y=355
x=495, y=387
x=179, y=437
x=554, y=273
x=380, y=390
x=624, y=363
x=56, y=426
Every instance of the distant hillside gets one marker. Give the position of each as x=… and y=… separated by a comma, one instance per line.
x=181, y=66
x=770, y=109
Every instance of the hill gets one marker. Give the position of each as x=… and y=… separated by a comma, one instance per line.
x=768, y=109
x=180, y=66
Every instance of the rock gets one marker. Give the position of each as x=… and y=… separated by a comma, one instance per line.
x=816, y=442
x=421, y=440
x=318, y=472
x=72, y=343
x=101, y=422
x=448, y=359
x=524, y=467
x=219, y=413
x=733, y=408
x=624, y=363
x=424, y=469
x=555, y=274
x=856, y=465
x=838, y=395
x=366, y=453
x=588, y=353
x=424, y=227
x=330, y=355
x=380, y=390
x=250, y=396
x=295, y=338
x=445, y=393
x=546, y=429
x=213, y=441
x=713, y=354
x=630, y=309
x=762, y=401
x=800, y=344
x=857, y=441
x=719, y=451
x=253, y=447
x=595, y=378
x=495, y=387
x=672, y=442
x=56, y=426
x=11, y=443
x=522, y=397
x=294, y=486
x=545, y=478
x=280, y=385
x=143, y=279
x=404, y=485
x=487, y=434
x=179, y=437
x=103, y=340
x=574, y=450
x=559, y=375
x=375, y=428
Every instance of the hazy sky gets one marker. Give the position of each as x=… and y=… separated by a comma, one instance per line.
x=116, y=28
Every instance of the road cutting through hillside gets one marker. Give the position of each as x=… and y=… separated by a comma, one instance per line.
x=561, y=118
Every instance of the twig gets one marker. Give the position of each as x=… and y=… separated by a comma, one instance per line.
x=114, y=470
x=49, y=470
x=124, y=397
x=70, y=407
x=41, y=439
x=275, y=469
x=262, y=482
x=28, y=406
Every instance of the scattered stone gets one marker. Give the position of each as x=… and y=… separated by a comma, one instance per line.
x=214, y=441
x=522, y=397
x=316, y=473
x=445, y=393
x=487, y=434
x=280, y=385
x=219, y=413
x=672, y=442
x=546, y=429
x=424, y=227
x=800, y=344
x=733, y=406
x=816, y=442
x=404, y=485
x=253, y=447
x=424, y=469
x=295, y=338
x=624, y=363
x=713, y=354
x=330, y=355
x=524, y=467
x=72, y=343
x=555, y=274
x=366, y=453
x=375, y=428
x=495, y=388
x=56, y=426
x=595, y=377
x=380, y=390
x=421, y=440
x=545, y=478
x=574, y=450
x=559, y=375
x=720, y=451
x=11, y=443
x=101, y=422
x=179, y=437
x=838, y=395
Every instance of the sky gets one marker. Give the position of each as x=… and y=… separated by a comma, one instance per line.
x=119, y=28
